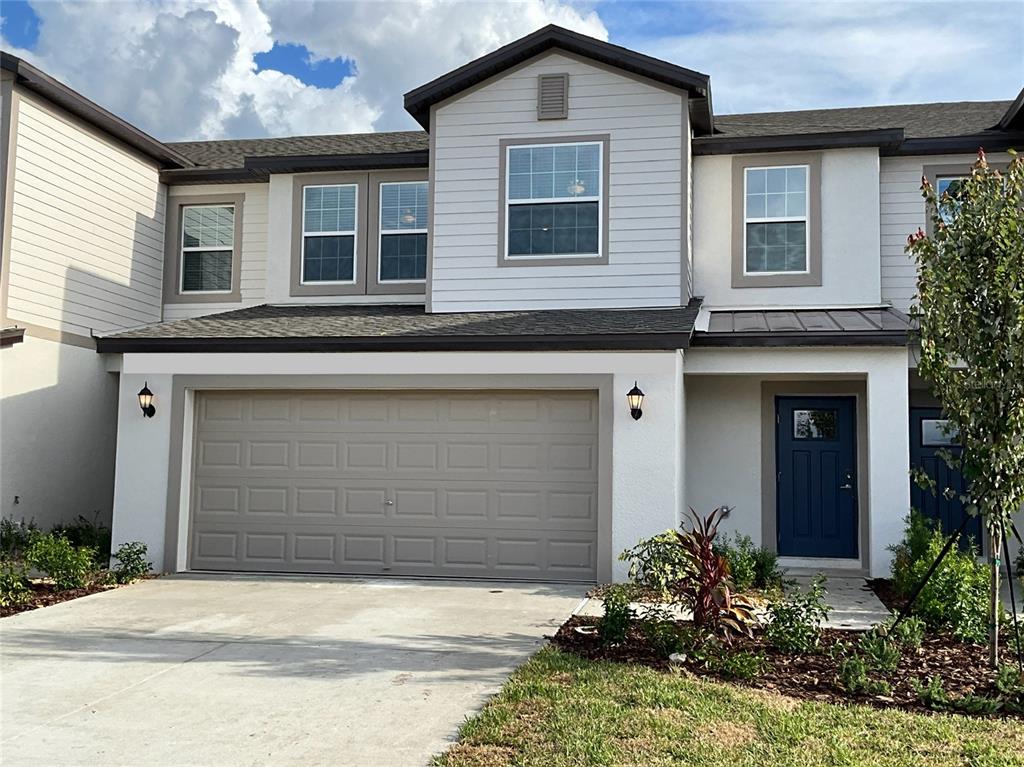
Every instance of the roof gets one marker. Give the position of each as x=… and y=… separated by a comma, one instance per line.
x=806, y=327
x=419, y=100
x=902, y=128
x=57, y=92
x=310, y=328
x=1014, y=117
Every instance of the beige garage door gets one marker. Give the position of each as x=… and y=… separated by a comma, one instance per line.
x=495, y=484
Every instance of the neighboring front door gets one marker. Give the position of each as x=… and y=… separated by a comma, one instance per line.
x=816, y=462
x=929, y=435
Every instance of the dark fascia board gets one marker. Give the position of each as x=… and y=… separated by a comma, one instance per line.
x=883, y=138
x=36, y=80
x=1014, y=117
x=877, y=338
x=313, y=163
x=990, y=142
x=419, y=100
x=609, y=342
x=211, y=176
x=11, y=336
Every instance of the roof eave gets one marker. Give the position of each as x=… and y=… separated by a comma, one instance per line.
x=308, y=163
x=990, y=142
x=36, y=80
x=885, y=139
x=419, y=100
x=777, y=339
x=1014, y=117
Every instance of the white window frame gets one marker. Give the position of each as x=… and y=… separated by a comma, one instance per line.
x=201, y=249
x=354, y=234
x=805, y=219
x=509, y=202
x=382, y=231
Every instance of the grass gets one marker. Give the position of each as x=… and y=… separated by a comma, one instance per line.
x=559, y=710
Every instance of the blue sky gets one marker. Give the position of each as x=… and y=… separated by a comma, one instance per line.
x=235, y=68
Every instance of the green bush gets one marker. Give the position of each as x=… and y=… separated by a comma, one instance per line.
x=618, y=616
x=909, y=632
x=980, y=705
x=663, y=636
x=53, y=554
x=750, y=566
x=854, y=678
x=14, y=583
x=794, y=621
x=738, y=665
x=955, y=599
x=658, y=562
x=933, y=694
x=131, y=562
x=88, y=533
x=880, y=652
x=15, y=537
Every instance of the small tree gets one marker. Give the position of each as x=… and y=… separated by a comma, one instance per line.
x=971, y=315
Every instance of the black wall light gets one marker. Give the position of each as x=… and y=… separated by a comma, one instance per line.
x=146, y=401
x=635, y=398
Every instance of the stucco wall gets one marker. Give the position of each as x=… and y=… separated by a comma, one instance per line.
x=849, y=227
x=57, y=427
x=645, y=483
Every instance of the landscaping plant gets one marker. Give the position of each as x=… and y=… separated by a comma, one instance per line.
x=618, y=616
x=70, y=568
x=658, y=563
x=750, y=566
x=88, y=533
x=969, y=309
x=909, y=632
x=794, y=621
x=14, y=584
x=131, y=562
x=854, y=678
x=932, y=694
x=879, y=651
x=15, y=537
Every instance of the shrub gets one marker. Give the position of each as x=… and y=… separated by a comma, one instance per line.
x=738, y=665
x=658, y=563
x=750, y=566
x=794, y=622
x=15, y=537
x=853, y=677
x=88, y=533
x=909, y=632
x=980, y=705
x=880, y=652
x=14, y=583
x=70, y=568
x=956, y=596
x=131, y=562
x=933, y=694
x=1009, y=680
x=617, y=618
x=663, y=636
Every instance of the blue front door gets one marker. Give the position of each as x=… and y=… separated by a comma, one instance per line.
x=816, y=457
x=928, y=435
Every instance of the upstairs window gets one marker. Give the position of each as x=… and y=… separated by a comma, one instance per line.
x=947, y=189
x=329, y=234
x=776, y=220
x=553, y=200
x=403, y=232
x=207, y=248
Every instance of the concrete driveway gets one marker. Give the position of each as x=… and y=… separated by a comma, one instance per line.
x=224, y=671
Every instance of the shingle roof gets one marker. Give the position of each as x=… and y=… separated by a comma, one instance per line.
x=410, y=328
x=232, y=153
x=957, y=118
x=806, y=327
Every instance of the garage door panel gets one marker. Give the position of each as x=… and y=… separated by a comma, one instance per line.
x=468, y=483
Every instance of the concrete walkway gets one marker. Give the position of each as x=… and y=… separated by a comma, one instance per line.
x=232, y=671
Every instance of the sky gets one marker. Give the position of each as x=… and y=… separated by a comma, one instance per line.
x=209, y=69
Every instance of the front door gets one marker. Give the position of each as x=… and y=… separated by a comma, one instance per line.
x=816, y=456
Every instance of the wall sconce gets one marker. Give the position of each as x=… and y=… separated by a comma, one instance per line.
x=635, y=398
x=146, y=401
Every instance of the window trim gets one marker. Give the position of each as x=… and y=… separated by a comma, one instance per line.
x=504, y=146
x=174, y=249
x=357, y=286
x=354, y=234
x=811, y=276
x=804, y=219
x=952, y=170
x=376, y=286
x=379, y=201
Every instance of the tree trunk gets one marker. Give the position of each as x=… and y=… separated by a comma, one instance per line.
x=995, y=605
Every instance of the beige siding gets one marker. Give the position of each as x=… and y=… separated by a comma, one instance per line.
x=86, y=227
x=902, y=213
x=646, y=126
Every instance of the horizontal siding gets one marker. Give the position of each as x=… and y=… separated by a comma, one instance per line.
x=902, y=214
x=646, y=127
x=255, y=213
x=86, y=227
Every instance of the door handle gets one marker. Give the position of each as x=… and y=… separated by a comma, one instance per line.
x=847, y=486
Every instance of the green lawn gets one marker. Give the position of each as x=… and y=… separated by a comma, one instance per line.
x=559, y=710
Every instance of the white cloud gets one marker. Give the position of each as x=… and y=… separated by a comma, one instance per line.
x=778, y=56
x=184, y=70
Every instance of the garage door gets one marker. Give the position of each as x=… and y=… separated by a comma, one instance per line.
x=496, y=484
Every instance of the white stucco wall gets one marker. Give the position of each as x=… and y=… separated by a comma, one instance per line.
x=849, y=235
x=646, y=471
x=57, y=427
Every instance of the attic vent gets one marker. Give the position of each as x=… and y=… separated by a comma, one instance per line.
x=552, y=97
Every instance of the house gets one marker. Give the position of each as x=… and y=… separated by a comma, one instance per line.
x=410, y=353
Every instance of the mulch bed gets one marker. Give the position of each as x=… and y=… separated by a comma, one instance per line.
x=812, y=676
x=45, y=594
